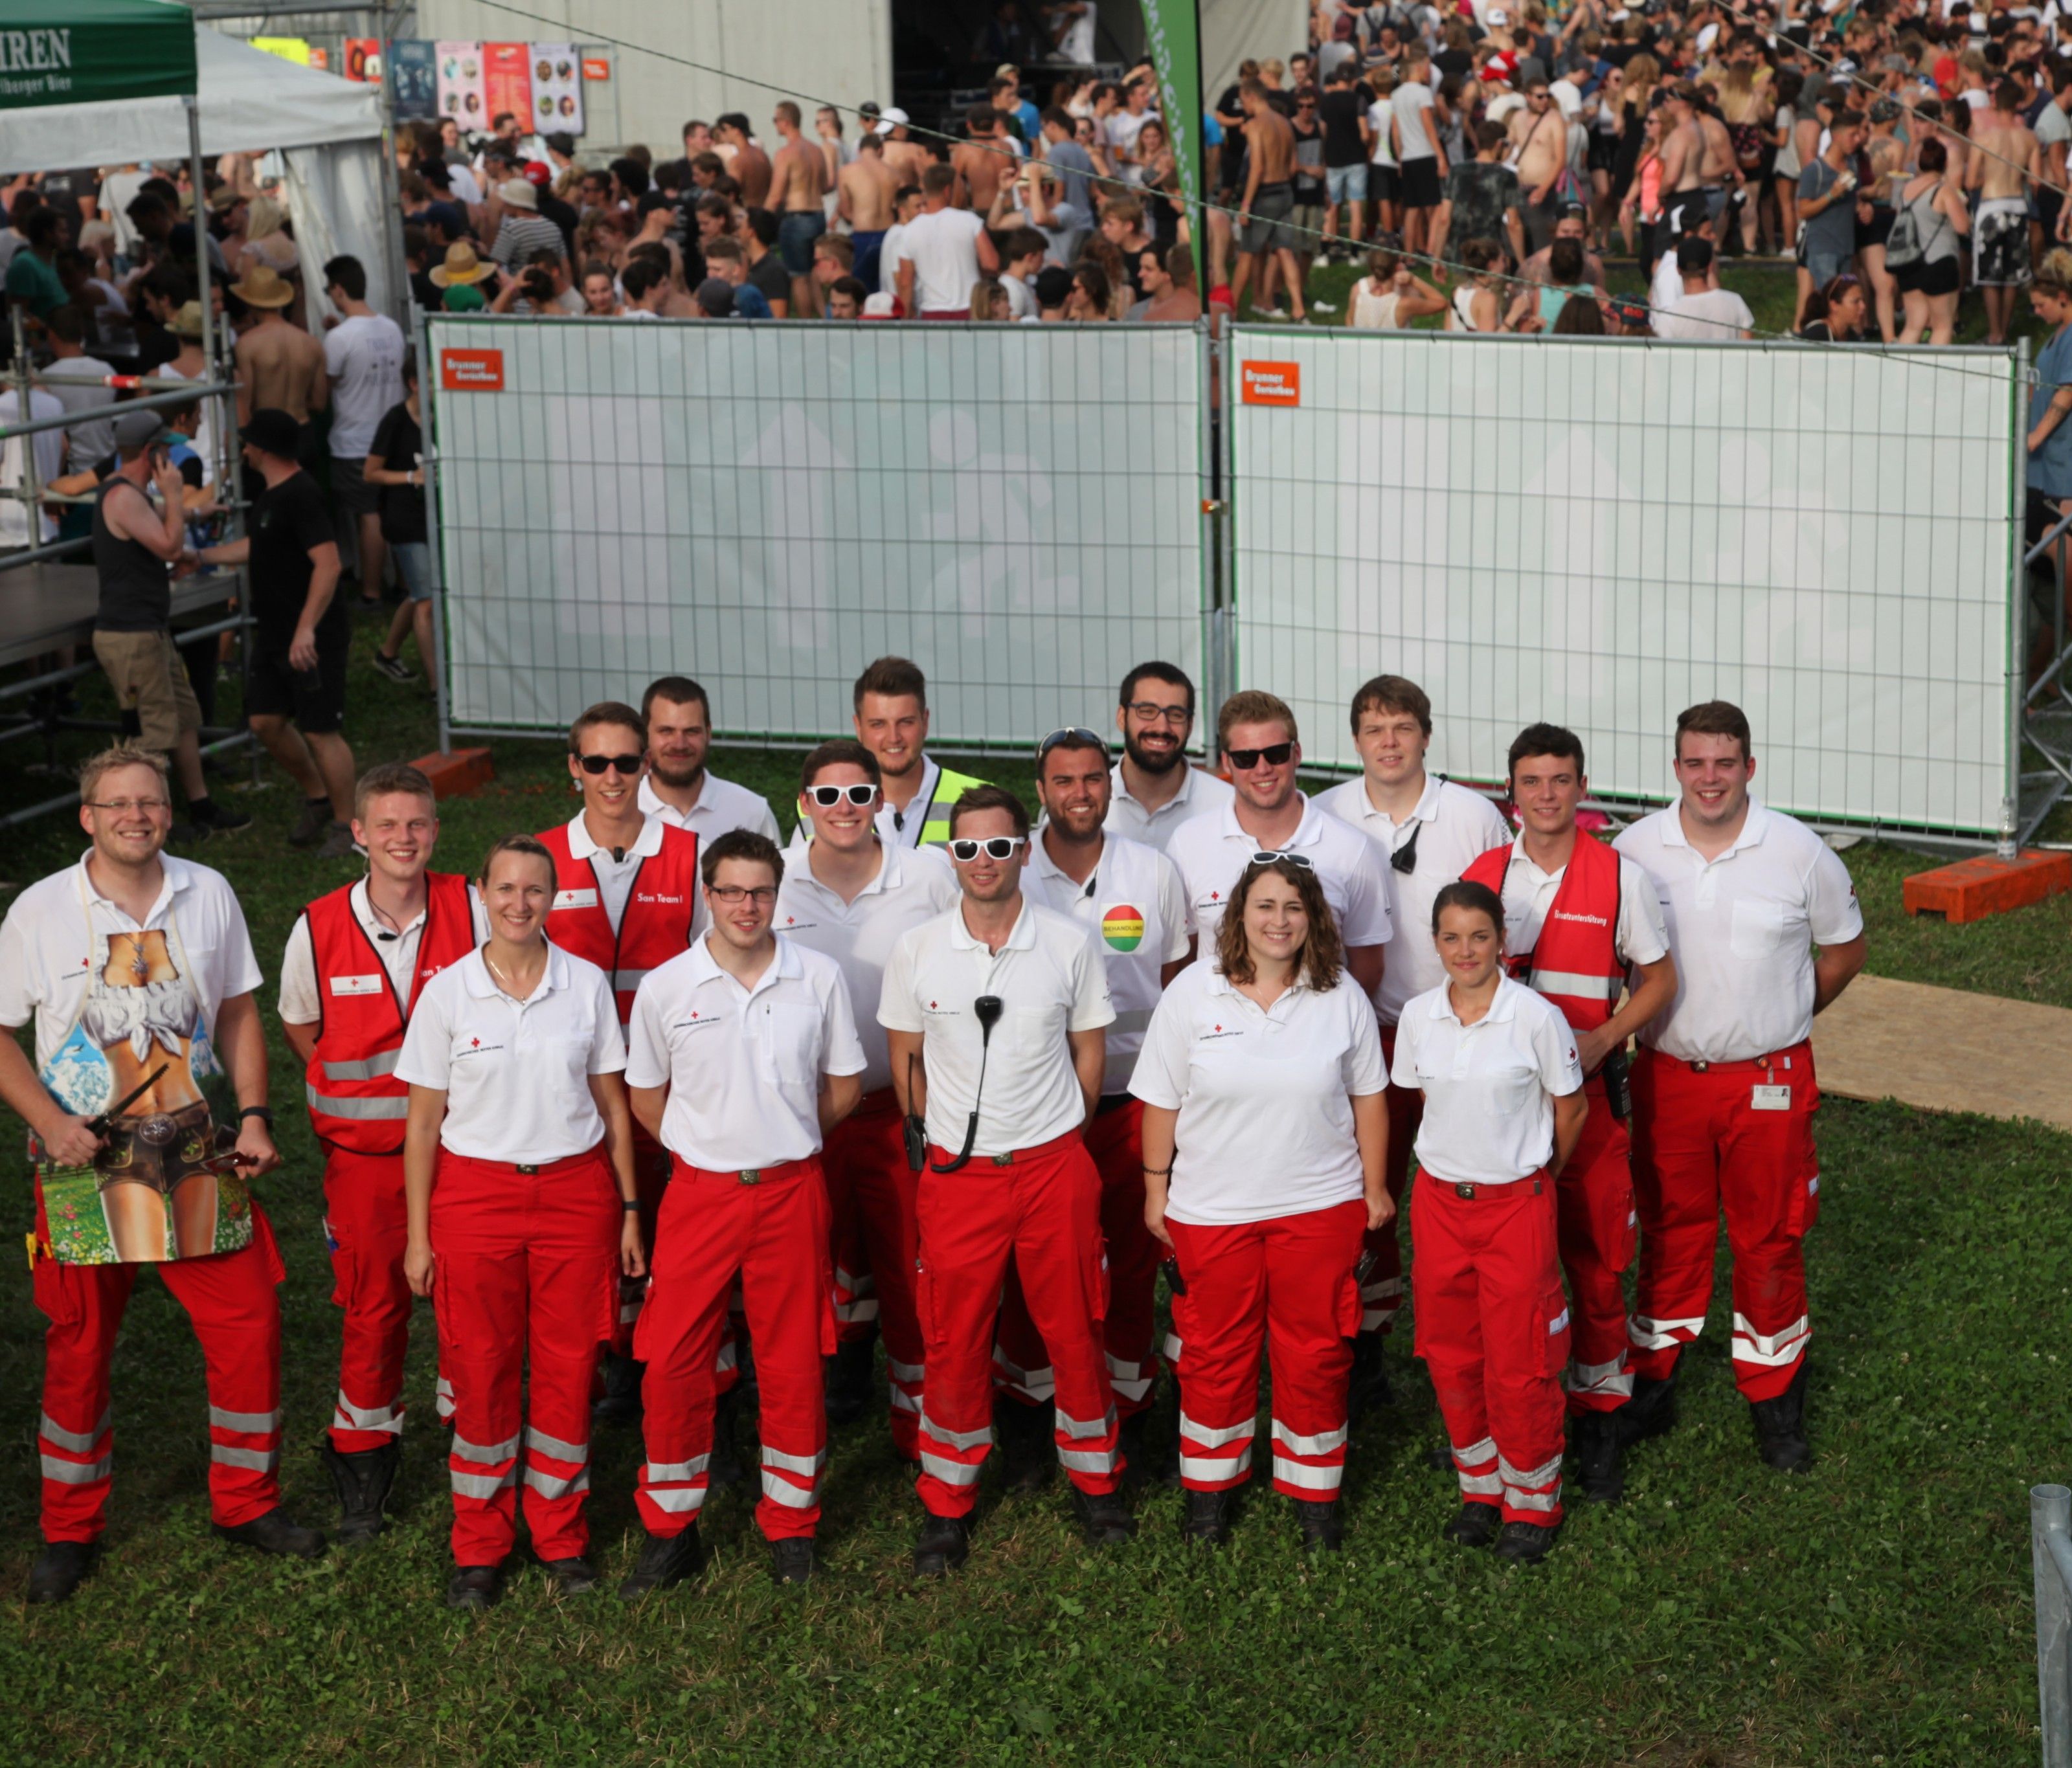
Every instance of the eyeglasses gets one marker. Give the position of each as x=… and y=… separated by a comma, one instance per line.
x=1077, y=734
x=1149, y=712
x=993, y=846
x=1274, y=755
x=1266, y=856
x=121, y=807
x=827, y=797
x=761, y=895
x=598, y=764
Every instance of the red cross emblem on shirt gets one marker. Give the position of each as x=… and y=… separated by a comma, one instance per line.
x=1218, y=1028
x=931, y=1006
x=694, y=1013
x=1215, y=895
x=474, y=1043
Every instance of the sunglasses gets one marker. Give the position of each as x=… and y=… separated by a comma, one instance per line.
x=993, y=846
x=1274, y=755
x=827, y=797
x=1266, y=856
x=598, y=764
x=1073, y=733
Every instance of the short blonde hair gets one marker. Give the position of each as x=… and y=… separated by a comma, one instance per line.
x=1254, y=706
x=115, y=756
x=2055, y=272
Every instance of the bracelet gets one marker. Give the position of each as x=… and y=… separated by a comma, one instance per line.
x=629, y=1207
x=262, y=1112
x=1157, y=1172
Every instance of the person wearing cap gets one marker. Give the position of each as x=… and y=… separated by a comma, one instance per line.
x=524, y=230
x=136, y=541
x=280, y=366
x=295, y=695
x=1127, y=897
x=907, y=156
x=715, y=298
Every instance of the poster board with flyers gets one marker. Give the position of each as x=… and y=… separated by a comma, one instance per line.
x=474, y=83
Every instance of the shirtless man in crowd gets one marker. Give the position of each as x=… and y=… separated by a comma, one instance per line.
x=798, y=194
x=749, y=165
x=984, y=160
x=1269, y=198
x=280, y=366
x=864, y=199
x=1540, y=133
x=2002, y=172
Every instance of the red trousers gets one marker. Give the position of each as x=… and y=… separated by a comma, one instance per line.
x=366, y=1224
x=1493, y=1329
x=1700, y=1140
x=871, y=1196
x=770, y=1231
x=1288, y=1281
x=231, y=1303
x=526, y=1271
x=1114, y=1140
x=1594, y=1205
x=1381, y=1295
x=1041, y=1208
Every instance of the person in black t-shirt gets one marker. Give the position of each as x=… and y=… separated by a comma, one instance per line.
x=304, y=633
x=396, y=465
x=766, y=265
x=1343, y=111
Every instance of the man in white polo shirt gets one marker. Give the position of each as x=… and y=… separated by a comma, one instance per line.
x=1128, y=896
x=849, y=895
x=1724, y=1093
x=1581, y=922
x=1156, y=788
x=744, y=1055
x=1257, y=733
x=677, y=787
x=1428, y=830
x=998, y=1013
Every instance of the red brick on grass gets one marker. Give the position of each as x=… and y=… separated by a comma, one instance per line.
x=1973, y=889
x=458, y=775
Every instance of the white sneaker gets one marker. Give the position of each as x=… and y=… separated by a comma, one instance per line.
x=1322, y=306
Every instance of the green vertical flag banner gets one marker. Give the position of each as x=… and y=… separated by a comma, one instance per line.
x=1175, y=29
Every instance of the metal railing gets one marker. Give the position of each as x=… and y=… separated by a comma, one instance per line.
x=2050, y=1547
x=2046, y=706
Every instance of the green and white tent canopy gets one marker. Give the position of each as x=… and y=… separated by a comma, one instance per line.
x=94, y=52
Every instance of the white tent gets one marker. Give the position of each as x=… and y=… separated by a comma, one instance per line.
x=249, y=101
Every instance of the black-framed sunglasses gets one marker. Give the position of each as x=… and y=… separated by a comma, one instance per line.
x=1266, y=856
x=966, y=848
x=827, y=797
x=1072, y=733
x=1274, y=754
x=598, y=764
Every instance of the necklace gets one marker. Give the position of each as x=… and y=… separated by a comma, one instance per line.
x=509, y=984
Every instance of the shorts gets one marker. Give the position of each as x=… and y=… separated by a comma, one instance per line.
x=2002, y=238
x=795, y=234
x=1878, y=229
x=1417, y=183
x=1823, y=266
x=413, y=565
x=348, y=485
x=149, y=678
x=1934, y=280
x=1308, y=220
x=868, y=246
x=1345, y=184
x=1267, y=230
x=314, y=698
x=1381, y=184
x=1602, y=155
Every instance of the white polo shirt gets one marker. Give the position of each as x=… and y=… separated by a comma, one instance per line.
x=1199, y=793
x=912, y=886
x=301, y=1000
x=1137, y=913
x=1742, y=928
x=721, y=806
x=1454, y=826
x=1050, y=982
x=1529, y=893
x=743, y=1066
x=1488, y=1117
x=515, y=1073
x=1264, y=1095
x=48, y=940
x=1212, y=852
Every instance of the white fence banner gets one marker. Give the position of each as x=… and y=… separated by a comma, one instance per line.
x=1602, y=533
x=766, y=507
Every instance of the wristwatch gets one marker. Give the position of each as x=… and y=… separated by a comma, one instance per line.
x=264, y=1113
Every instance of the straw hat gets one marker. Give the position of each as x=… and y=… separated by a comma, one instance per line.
x=187, y=322
x=462, y=266
x=263, y=286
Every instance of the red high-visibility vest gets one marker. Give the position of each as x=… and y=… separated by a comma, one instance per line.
x=355, y=1101
x=1576, y=963
x=660, y=908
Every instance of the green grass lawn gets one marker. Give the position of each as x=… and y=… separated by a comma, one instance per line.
x=1878, y=1611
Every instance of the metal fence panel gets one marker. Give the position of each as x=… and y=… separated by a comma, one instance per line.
x=769, y=506
x=1602, y=533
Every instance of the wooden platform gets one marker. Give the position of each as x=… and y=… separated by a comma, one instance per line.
x=1946, y=1049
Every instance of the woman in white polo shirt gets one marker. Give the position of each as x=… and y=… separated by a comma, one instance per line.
x=518, y=1174
x=1503, y=1108
x=1265, y=1134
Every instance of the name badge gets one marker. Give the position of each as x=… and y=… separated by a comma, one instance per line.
x=355, y=984
x=1770, y=1099
x=575, y=899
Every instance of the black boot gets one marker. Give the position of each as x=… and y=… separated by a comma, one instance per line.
x=1651, y=1412
x=475, y=1587
x=725, y=1468
x=1129, y=1444
x=1208, y=1517
x=852, y=1379
x=1028, y=1445
x=619, y=1403
x=575, y=1577
x=1527, y=1543
x=1103, y=1516
x=1322, y=1525
x=1599, y=1470
x=792, y=1560
x=1780, y=1427
x=362, y=1480
x=1369, y=1386
x=274, y=1533
x=1476, y=1526
x=60, y=1568
x=665, y=1560
x=943, y=1544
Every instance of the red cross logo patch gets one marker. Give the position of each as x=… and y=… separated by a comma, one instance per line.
x=474, y=1043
